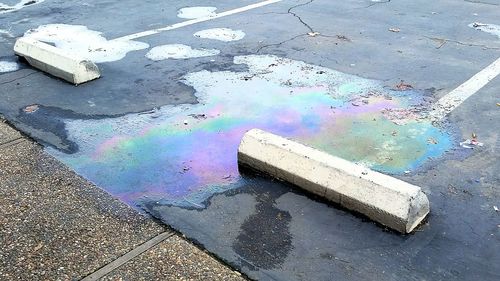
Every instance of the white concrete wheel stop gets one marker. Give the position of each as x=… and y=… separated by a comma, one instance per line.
x=55, y=61
x=387, y=200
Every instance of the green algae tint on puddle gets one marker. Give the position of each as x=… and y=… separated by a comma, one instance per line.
x=181, y=155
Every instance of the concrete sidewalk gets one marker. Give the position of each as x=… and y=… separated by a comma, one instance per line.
x=54, y=225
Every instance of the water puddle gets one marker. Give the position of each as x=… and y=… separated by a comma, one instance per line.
x=182, y=155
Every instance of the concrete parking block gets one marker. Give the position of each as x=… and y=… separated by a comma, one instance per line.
x=385, y=199
x=56, y=61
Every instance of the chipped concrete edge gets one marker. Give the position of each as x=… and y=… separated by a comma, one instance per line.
x=55, y=61
x=387, y=200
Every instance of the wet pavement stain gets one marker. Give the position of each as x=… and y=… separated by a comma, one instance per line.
x=52, y=120
x=265, y=240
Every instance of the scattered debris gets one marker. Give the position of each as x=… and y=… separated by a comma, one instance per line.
x=432, y=141
x=343, y=38
x=247, y=77
x=401, y=116
x=198, y=116
x=492, y=29
x=394, y=29
x=471, y=143
x=403, y=86
x=31, y=108
x=478, y=24
x=313, y=34
x=452, y=189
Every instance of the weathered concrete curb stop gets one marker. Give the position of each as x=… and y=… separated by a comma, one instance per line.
x=55, y=61
x=387, y=200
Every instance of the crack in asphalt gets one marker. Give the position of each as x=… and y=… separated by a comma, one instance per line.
x=19, y=78
x=481, y=2
x=298, y=17
x=280, y=43
x=443, y=42
x=311, y=32
x=374, y=3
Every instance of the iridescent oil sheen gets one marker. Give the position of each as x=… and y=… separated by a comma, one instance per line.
x=183, y=154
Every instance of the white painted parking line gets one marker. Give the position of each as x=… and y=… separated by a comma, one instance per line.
x=198, y=20
x=453, y=99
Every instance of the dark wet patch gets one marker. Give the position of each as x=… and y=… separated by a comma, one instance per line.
x=51, y=119
x=265, y=239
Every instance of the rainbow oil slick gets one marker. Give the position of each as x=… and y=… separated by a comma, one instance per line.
x=181, y=155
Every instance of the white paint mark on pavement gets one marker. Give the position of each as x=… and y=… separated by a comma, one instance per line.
x=487, y=27
x=196, y=12
x=453, y=99
x=178, y=51
x=221, y=34
x=4, y=8
x=87, y=44
x=198, y=20
x=8, y=66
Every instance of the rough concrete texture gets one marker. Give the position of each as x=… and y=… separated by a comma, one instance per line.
x=385, y=199
x=55, y=61
x=54, y=225
x=174, y=259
